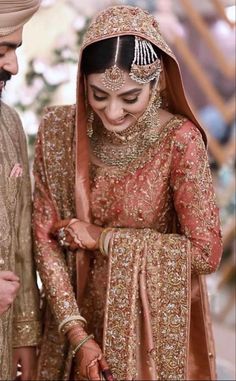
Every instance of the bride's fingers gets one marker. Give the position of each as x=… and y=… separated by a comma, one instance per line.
x=105, y=369
x=59, y=224
x=103, y=363
x=93, y=372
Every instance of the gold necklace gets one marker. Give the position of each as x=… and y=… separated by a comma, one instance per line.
x=121, y=137
x=113, y=151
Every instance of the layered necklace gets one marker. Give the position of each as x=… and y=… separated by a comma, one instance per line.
x=120, y=149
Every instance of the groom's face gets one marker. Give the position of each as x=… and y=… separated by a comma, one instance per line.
x=8, y=58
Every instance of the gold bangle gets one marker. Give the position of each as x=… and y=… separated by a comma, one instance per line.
x=70, y=319
x=82, y=343
x=101, y=240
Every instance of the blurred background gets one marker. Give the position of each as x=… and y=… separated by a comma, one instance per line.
x=202, y=35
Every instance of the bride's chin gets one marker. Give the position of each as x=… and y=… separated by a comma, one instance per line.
x=117, y=128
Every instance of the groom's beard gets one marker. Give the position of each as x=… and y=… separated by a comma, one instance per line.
x=4, y=77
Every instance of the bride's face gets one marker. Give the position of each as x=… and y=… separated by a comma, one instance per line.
x=117, y=109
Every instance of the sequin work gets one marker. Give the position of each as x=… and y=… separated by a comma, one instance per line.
x=147, y=299
x=162, y=207
x=56, y=271
x=122, y=20
x=19, y=325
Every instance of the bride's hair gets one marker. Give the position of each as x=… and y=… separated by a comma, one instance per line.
x=100, y=55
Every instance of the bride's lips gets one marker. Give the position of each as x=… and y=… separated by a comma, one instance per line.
x=117, y=122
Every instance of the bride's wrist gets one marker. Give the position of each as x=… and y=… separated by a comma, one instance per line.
x=103, y=241
x=81, y=343
x=76, y=334
x=71, y=321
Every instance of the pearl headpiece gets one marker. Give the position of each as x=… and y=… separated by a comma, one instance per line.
x=145, y=67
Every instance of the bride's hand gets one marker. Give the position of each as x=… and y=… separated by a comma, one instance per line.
x=91, y=364
x=89, y=360
x=76, y=234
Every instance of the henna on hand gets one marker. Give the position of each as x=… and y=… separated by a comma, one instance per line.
x=90, y=362
x=76, y=234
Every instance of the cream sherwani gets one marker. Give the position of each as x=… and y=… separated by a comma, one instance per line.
x=20, y=325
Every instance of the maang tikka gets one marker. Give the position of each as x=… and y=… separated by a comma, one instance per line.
x=145, y=67
x=114, y=78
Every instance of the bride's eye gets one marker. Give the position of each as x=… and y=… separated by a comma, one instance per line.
x=133, y=100
x=98, y=98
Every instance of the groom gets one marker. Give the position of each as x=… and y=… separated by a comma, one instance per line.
x=19, y=322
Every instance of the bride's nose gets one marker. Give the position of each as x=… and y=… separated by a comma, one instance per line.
x=114, y=111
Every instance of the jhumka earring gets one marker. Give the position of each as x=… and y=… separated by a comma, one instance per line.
x=90, y=123
x=113, y=78
x=146, y=65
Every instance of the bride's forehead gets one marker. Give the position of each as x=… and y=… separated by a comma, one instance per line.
x=96, y=79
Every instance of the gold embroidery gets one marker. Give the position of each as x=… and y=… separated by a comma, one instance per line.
x=140, y=198
x=168, y=277
x=53, y=199
x=122, y=20
x=15, y=243
x=115, y=151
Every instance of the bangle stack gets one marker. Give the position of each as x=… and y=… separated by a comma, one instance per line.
x=102, y=239
x=69, y=322
x=82, y=342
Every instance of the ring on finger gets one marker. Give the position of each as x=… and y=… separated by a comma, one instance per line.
x=62, y=242
x=62, y=238
x=61, y=233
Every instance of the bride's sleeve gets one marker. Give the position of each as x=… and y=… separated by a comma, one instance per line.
x=50, y=260
x=195, y=206
x=194, y=199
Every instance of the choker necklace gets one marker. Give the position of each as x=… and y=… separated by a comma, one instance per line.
x=115, y=151
x=135, y=129
x=129, y=134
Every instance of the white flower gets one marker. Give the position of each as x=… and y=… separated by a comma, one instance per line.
x=48, y=3
x=79, y=23
x=29, y=93
x=39, y=66
x=67, y=54
x=56, y=75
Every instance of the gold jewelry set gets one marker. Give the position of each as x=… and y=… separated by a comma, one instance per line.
x=113, y=78
x=119, y=149
x=145, y=67
x=113, y=151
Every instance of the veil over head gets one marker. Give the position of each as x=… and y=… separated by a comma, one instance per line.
x=15, y=13
x=120, y=21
